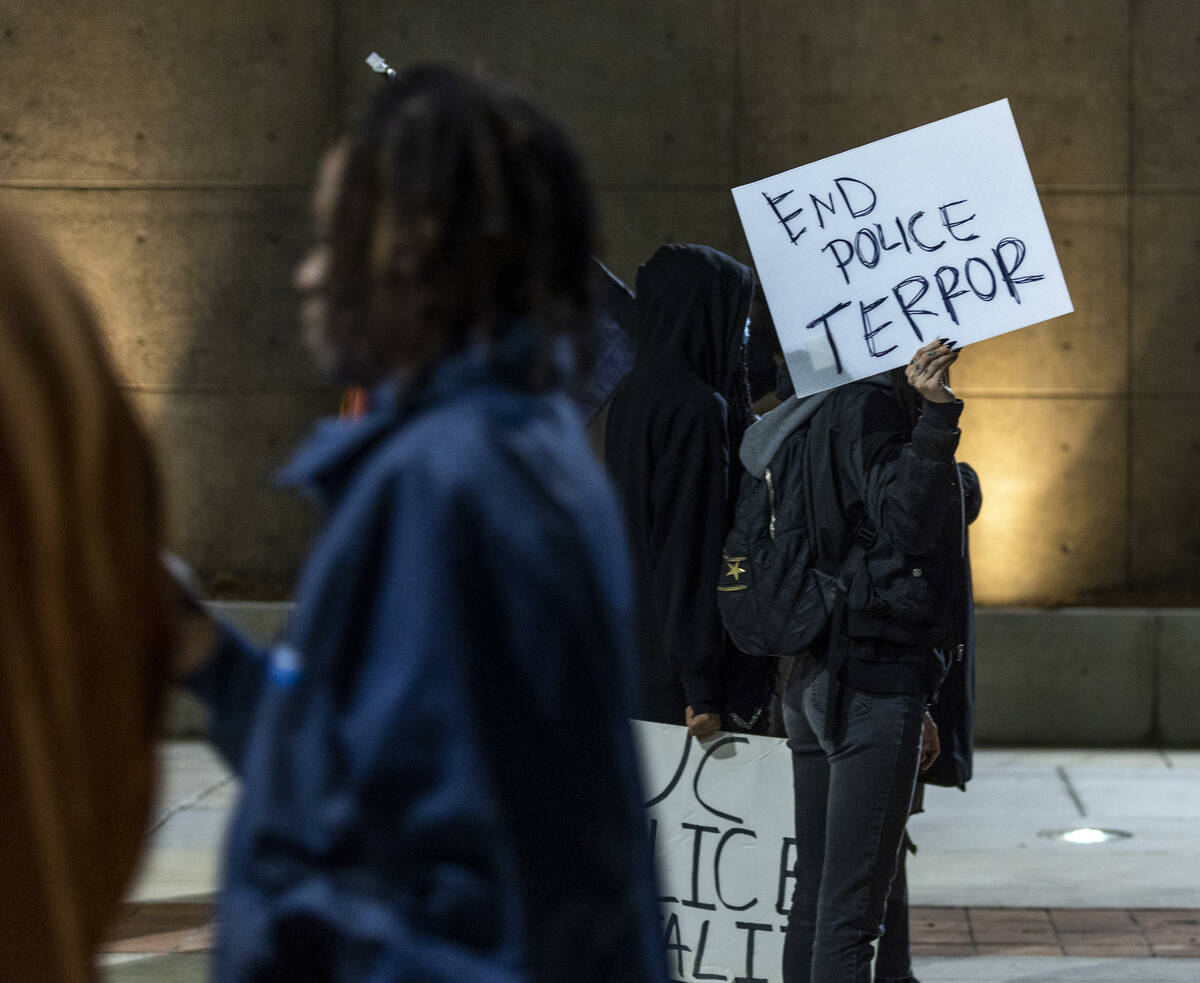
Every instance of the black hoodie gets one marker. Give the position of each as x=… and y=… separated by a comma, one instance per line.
x=668, y=448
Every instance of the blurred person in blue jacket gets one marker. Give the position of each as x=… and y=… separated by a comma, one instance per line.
x=439, y=781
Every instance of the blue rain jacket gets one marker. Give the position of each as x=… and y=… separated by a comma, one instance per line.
x=439, y=782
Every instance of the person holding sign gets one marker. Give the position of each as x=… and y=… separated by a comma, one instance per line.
x=873, y=466
x=419, y=801
x=673, y=428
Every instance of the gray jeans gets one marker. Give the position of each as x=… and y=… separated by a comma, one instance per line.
x=852, y=800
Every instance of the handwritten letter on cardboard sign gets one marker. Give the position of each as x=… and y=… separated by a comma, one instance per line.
x=932, y=233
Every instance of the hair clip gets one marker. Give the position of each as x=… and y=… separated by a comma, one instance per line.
x=382, y=67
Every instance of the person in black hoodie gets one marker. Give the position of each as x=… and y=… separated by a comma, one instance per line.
x=674, y=426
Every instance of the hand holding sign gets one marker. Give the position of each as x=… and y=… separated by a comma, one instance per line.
x=936, y=231
x=701, y=725
x=927, y=370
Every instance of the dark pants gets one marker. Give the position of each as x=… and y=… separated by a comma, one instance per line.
x=852, y=799
x=893, y=955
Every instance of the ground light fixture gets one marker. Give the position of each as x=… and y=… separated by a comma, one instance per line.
x=1085, y=835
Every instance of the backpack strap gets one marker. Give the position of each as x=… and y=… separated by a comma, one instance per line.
x=835, y=654
x=822, y=495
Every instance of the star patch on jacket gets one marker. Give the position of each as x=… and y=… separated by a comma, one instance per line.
x=731, y=578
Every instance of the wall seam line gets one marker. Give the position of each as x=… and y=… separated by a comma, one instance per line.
x=33, y=184
x=339, y=81
x=174, y=184
x=1156, y=735
x=736, y=121
x=1130, y=272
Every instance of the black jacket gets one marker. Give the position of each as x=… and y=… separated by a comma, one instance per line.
x=668, y=448
x=903, y=480
x=865, y=468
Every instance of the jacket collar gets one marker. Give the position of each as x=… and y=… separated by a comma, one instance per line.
x=324, y=462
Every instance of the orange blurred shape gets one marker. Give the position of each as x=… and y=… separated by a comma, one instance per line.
x=354, y=402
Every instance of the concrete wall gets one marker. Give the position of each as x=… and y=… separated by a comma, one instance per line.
x=1088, y=677
x=1077, y=677
x=168, y=146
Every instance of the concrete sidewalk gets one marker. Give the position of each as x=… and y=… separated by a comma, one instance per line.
x=982, y=854
x=988, y=846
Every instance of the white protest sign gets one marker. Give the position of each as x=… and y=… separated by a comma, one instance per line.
x=721, y=822
x=932, y=233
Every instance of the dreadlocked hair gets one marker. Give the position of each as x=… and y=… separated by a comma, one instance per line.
x=463, y=209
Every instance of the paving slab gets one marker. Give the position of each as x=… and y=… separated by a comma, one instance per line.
x=989, y=846
x=195, y=796
x=191, y=775
x=1087, y=911
x=981, y=848
x=1041, y=969
x=194, y=968
x=175, y=968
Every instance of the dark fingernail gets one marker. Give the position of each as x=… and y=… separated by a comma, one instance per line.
x=950, y=344
x=941, y=341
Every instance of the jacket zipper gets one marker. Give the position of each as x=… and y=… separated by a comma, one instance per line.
x=960, y=649
x=962, y=513
x=770, y=499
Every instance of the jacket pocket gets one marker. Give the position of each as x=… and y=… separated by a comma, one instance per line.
x=917, y=590
x=903, y=587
